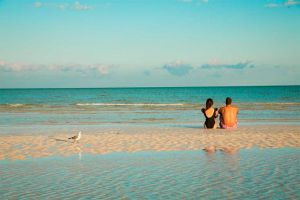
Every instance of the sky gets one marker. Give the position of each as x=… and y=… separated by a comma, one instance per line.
x=149, y=43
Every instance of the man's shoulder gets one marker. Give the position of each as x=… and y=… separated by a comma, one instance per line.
x=231, y=108
x=235, y=108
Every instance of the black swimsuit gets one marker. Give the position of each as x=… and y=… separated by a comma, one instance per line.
x=210, y=121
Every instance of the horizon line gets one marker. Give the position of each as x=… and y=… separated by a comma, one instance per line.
x=149, y=87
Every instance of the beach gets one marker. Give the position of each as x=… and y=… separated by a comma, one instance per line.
x=158, y=100
x=112, y=140
x=139, y=143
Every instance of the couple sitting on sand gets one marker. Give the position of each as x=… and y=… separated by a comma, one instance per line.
x=228, y=115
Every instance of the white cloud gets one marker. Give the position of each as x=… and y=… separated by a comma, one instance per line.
x=64, y=6
x=17, y=67
x=100, y=69
x=287, y=3
x=37, y=4
x=291, y=3
x=240, y=65
x=272, y=5
x=178, y=68
x=61, y=6
x=78, y=6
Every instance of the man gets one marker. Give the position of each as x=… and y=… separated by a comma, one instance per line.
x=228, y=115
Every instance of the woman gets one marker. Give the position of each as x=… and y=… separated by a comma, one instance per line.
x=210, y=114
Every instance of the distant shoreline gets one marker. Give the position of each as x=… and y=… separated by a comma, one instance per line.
x=144, y=87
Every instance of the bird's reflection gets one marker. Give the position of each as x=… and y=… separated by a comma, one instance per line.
x=79, y=152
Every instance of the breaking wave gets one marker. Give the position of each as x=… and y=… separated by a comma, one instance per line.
x=131, y=104
x=15, y=105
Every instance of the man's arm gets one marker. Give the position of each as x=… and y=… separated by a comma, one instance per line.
x=220, y=111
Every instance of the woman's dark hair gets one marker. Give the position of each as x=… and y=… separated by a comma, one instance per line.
x=209, y=103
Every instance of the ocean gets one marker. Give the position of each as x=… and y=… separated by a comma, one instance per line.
x=52, y=110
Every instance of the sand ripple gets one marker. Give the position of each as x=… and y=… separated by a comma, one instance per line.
x=249, y=174
x=19, y=147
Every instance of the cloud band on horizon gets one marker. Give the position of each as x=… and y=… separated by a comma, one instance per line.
x=240, y=65
x=100, y=69
x=178, y=68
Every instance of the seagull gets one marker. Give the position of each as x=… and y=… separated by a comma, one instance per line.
x=76, y=138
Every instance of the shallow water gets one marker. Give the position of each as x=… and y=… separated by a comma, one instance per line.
x=248, y=174
x=50, y=110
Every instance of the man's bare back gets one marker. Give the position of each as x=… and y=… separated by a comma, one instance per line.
x=228, y=115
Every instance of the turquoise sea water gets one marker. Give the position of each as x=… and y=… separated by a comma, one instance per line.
x=248, y=174
x=40, y=110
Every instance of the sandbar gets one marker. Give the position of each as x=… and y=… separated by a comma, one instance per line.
x=19, y=147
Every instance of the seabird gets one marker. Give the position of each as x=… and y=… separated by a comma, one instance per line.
x=76, y=138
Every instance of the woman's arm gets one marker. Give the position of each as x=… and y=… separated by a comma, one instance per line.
x=216, y=112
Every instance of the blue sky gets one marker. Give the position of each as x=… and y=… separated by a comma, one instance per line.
x=137, y=43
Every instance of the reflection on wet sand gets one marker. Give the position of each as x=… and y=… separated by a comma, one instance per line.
x=247, y=174
x=79, y=152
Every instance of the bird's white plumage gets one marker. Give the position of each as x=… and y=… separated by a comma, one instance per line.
x=79, y=136
x=76, y=138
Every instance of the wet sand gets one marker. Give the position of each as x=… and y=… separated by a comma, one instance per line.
x=19, y=147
